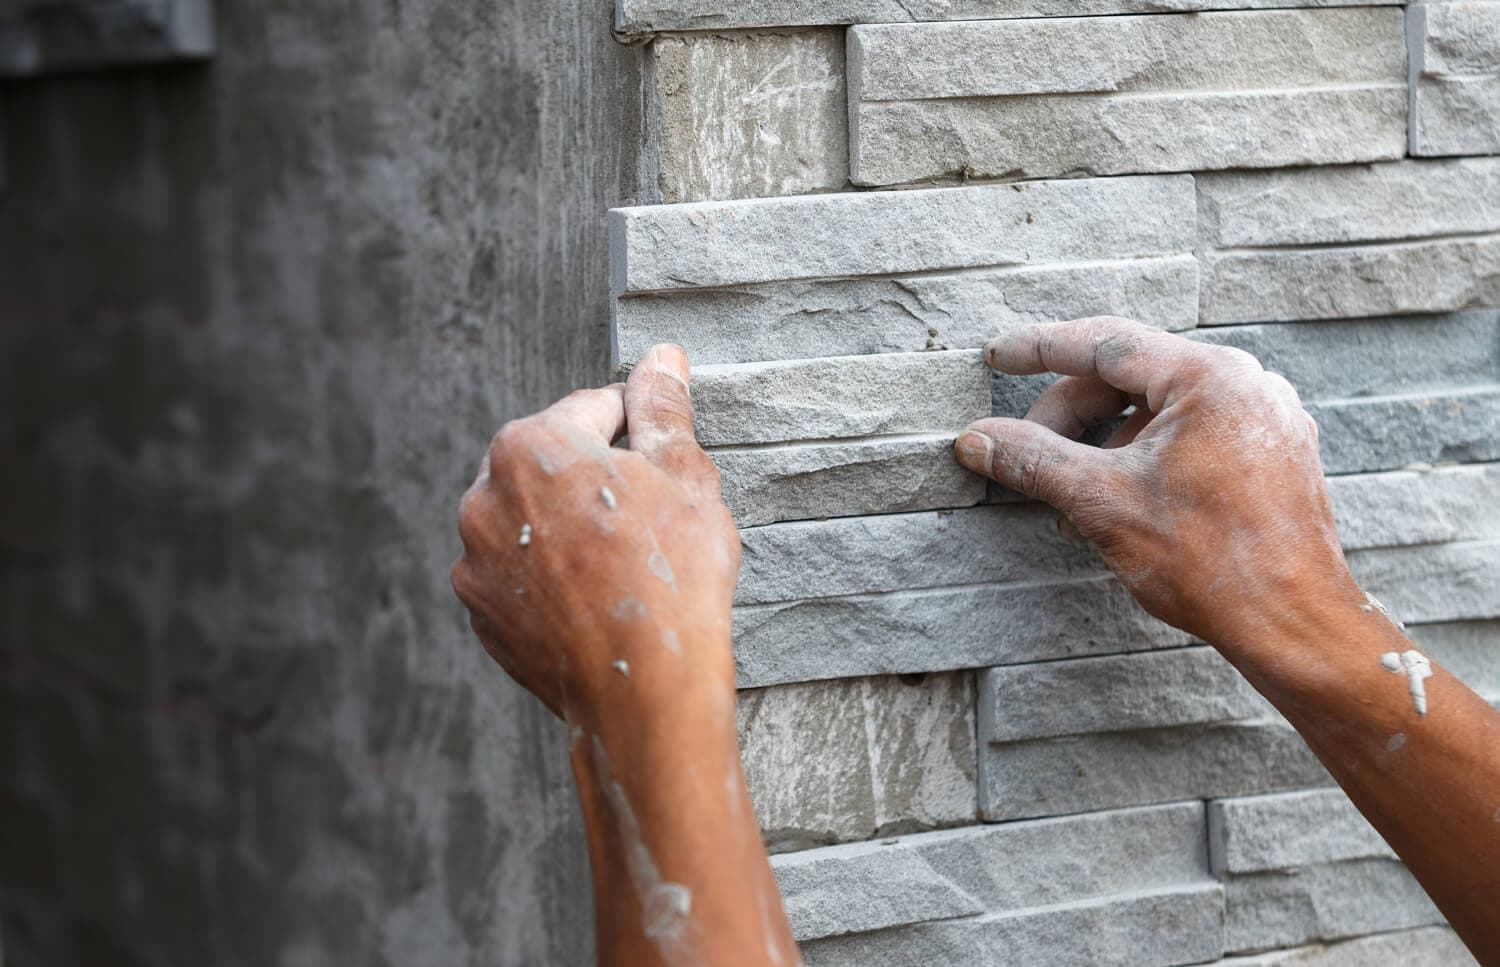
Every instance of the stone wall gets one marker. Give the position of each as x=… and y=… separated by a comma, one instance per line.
x=965, y=742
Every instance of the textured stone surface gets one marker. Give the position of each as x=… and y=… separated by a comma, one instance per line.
x=839, y=397
x=1415, y=507
x=1113, y=693
x=750, y=115
x=766, y=484
x=1387, y=432
x=1177, y=926
x=1081, y=773
x=45, y=36
x=1455, y=78
x=644, y=16
x=983, y=625
x=931, y=876
x=1125, y=94
x=1265, y=910
x=873, y=233
x=1334, y=359
x=1357, y=203
x=832, y=762
x=958, y=310
x=1425, y=947
x=1285, y=831
x=1338, y=282
x=913, y=631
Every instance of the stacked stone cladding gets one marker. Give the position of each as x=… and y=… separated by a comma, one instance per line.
x=966, y=743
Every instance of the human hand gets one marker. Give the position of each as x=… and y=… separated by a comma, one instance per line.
x=595, y=573
x=1208, y=502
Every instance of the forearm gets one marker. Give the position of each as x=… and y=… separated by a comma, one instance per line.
x=1429, y=782
x=680, y=873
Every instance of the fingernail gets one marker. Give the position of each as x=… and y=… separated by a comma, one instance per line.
x=670, y=359
x=975, y=450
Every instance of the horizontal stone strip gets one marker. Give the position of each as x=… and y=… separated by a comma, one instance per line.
x=843, y=478
x=1423, y=947
x=1084, y=773
x=1181, y=925
x=1021, y=543
x=1439, y=275
x=1469, y=650
x=1327, y=902
x=1050, y=136
x=707, y=244
x=960, y=872
x=1238, y=51
x=839, y=397
x=958, y=310
x=987, y=625
x=1284, y=831
x=1455, y=78
x=1345, y=359
x=1397, y=431
x=650, y=16
x=1113, y=693
x=1357, y=203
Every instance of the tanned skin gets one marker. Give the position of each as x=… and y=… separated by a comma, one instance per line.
x=1208, y=503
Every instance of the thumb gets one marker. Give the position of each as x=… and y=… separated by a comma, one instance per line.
x=1030, y=458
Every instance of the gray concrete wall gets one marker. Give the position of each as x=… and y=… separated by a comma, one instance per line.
x=257, y=320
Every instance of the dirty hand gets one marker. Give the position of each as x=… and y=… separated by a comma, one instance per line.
x=593, y=572
x=1208, y=502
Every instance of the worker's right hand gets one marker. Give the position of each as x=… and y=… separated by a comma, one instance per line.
x=1208, y=502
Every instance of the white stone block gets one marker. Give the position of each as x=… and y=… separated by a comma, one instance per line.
x=1286, y=831
x=1407, y=507
x=750, y=115
x=1455, y=78
x=1181, y=925
x=1469, y=650
x=1082, y=773
x=839, y=397
x=831, y=762
x=907, y=313
x=1354, y=203
x=1446, y=582
x=1331, y=902
x=648, y=16
x=1113, y=693
x=706, y=244
x=1431, y=275
x=931, y=876
x=1050, y=97
x=763, y=485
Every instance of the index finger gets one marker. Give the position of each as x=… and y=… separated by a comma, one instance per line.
x=1124, y=353
x=595, y=413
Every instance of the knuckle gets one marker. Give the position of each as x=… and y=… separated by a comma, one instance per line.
x=509, y=438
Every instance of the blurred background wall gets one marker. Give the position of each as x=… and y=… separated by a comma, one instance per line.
x=258, y=319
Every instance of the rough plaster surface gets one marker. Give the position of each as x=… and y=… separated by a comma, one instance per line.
x=751, y=115
x=257, y=323
x=1455, y=78
x=54, y=36
x=645, y=16
x=832, y=762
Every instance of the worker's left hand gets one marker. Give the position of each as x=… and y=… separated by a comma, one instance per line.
x=594, y=573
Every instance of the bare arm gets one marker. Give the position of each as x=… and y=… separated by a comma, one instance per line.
x=1209, y=505
x=602, y=580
